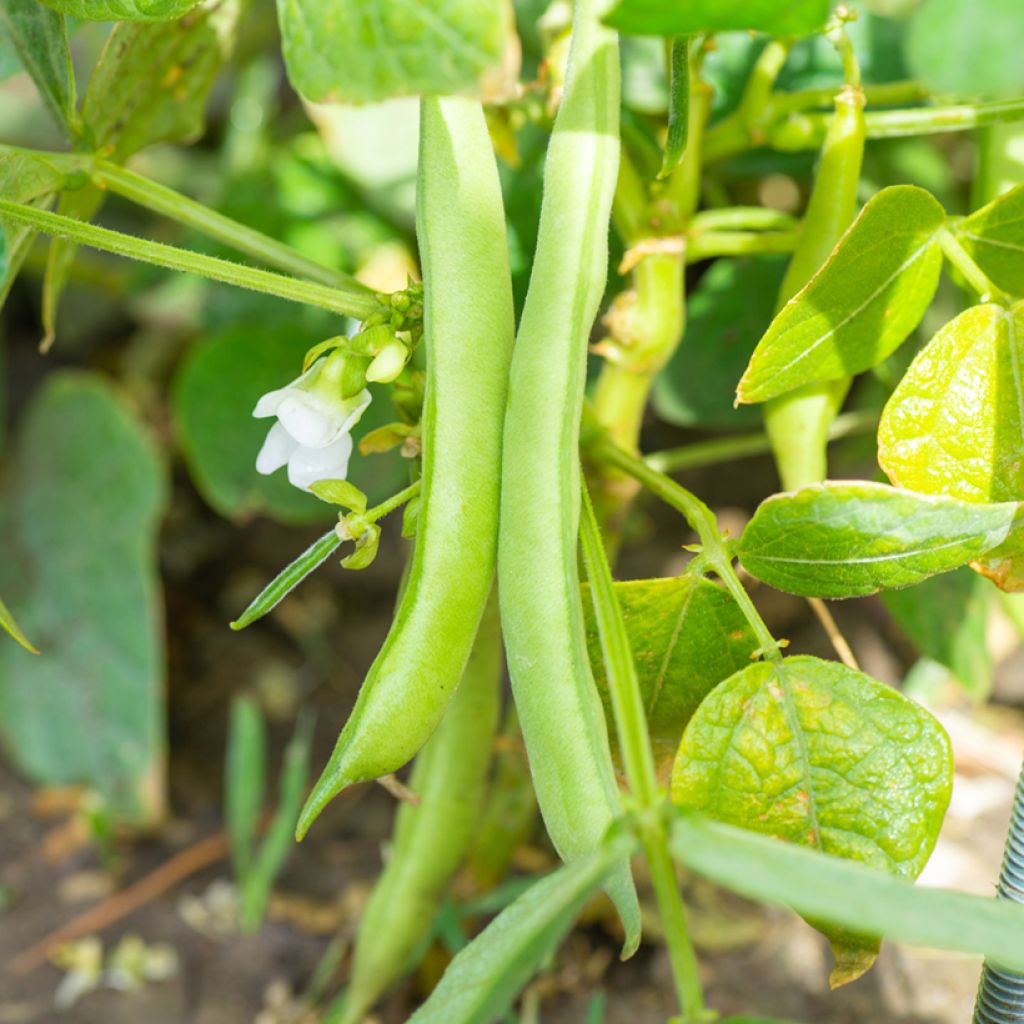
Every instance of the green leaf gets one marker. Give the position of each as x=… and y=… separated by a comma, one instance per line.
x=987, y=37
x=39, y=37
x=697, y=386
x=820, y=755
x=955, y=423
x=686, y=634
x=861, y=305
x=850, y=895
x=11, y=627
x=152, y=80
x=280, y=838
x=78, y=565
x=486, y=976
x=358, y=51
x=340, y=492
x=244, y=780
x=946, y=618
x=994, y=237
x=851, y=538
x=122, y=10
x=681, y=17
x=213, y=396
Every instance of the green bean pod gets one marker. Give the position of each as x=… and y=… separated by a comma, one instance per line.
x=542, y=616
x=798, y=423
x=432, y=837
x=469, y=328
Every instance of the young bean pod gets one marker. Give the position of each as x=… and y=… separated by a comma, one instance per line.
x=798, y=423
x=559, y=710
x=469, y=329
x=432, y=837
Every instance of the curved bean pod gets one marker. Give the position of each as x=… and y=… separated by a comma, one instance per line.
x=542, y=616
x=431, y=838
x=469, y=329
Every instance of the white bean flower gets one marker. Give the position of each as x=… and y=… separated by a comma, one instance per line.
x=312, y=435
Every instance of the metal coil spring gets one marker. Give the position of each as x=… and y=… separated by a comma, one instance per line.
x=1001, y=994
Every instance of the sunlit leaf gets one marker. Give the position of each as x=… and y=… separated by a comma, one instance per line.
x=994, y=237
x=850, y=538
x=955, y=423
x=358, y=51
x=820, y=755
x=861, y=305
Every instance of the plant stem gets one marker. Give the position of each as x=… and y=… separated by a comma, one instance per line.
x=178, y=207
x=742, y=218
x=792, y=127
x=634, y=742
x=706, y=245
x=309, y=293
x=972, y=273
x=738, y=446
x=371, y=515
x=701, y=519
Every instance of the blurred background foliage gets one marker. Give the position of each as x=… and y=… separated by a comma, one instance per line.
x=133, y=525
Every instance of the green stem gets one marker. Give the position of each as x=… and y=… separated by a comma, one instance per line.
x=972, y=273
x=309, y=293
x=169, y=203
x=742, y=218
x=706, y=245
x=795, y=130
x=757, y=94
x=701, y=519
x=738, y=446
x=388, y=505
x=634, y=742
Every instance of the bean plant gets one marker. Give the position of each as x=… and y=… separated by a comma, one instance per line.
x=662, y=719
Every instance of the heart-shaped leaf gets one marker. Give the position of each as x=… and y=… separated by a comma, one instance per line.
x=861, y=305
x=994, y=237
x=823, y=756
x=851, y=538
x=686, y=634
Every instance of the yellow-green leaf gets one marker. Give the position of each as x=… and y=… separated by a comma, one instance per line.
x=955, y=423
x=994, y=237
x=822, y=756
x=861, y=305
x=678, y=17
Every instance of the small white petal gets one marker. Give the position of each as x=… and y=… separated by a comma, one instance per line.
x=276, y=451
x=268, y=403
x=308, y=465
x=312, y=422
x=361, y=401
